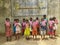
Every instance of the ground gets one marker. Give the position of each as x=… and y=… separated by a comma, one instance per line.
x=23, y=41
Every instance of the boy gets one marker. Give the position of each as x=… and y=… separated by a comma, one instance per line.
x=43, y=28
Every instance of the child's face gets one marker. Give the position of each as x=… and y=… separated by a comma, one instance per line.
x=31, y=19
x=26, y=21
x=7, y=20
x=17, y=21
x=23, y=20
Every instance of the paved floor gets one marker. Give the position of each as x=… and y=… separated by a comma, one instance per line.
x=23, y=41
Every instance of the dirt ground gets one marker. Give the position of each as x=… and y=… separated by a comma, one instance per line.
x=23, y=41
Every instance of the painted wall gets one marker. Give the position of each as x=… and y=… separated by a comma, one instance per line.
x=53, y=10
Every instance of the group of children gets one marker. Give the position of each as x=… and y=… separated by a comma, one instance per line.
x=52, y=26
x=31, y=27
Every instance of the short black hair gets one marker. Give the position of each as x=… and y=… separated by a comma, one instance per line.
x=27, y=21
x=51, y=19
x=17, y=19
x=54, y=17
x=14, y=19
x=7, y=19
x=37, y=18
x=24, y=19
x=30, y=18
x=44, y=15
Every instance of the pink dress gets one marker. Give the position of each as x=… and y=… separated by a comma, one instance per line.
x=34, y=31
x=51, y=27
x=8, y=29
x=23, y=26
x=37, y=23
x=51, y=24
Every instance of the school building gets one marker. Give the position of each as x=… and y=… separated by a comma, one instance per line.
x=28, y=8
